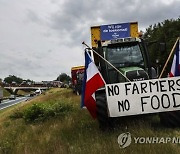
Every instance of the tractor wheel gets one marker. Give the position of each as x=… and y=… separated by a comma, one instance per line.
x=102, y=114
x=170, y=119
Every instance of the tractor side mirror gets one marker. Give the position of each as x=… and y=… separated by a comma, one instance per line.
x=154, y=73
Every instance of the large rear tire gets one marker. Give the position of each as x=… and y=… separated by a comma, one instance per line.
x=105, y=122
x=170, y=119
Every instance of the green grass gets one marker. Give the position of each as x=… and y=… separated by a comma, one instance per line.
x=6, y=93
x=72, y=130
x=22, y=92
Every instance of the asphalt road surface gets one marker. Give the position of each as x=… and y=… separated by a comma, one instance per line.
x=7, y=103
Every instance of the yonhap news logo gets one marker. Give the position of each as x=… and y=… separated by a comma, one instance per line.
x=125, y=139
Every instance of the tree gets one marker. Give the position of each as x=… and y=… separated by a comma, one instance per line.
x=63, y=77
x=167, y=32
x=12, y=78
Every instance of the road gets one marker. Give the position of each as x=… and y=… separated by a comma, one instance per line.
x=7, y=103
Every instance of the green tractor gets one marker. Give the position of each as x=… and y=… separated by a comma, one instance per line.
x=130, y=56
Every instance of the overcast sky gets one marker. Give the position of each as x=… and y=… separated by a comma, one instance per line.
x=39, y=39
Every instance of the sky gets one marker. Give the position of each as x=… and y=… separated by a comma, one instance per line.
x=40, y=39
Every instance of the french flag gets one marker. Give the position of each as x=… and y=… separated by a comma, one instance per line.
x=175, y=68
x=92, y=81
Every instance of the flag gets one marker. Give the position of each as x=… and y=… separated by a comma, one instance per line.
x=92, y=81
x=175, y=68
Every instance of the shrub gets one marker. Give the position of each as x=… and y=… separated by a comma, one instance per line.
x=42, y=112
x=33, y=113
x=61, y=108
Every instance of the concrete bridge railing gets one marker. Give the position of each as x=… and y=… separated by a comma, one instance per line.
x=14, y=90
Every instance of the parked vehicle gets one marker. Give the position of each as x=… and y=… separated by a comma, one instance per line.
x=121, y=45
x=12, y=97
x=77, y=75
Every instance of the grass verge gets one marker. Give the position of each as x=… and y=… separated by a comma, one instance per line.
x=54, y=123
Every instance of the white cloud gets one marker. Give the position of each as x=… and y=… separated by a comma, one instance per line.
x=41, y=39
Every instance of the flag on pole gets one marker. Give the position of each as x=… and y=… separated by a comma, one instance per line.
x=175, y=68
x=92, y=81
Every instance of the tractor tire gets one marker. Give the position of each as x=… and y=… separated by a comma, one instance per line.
x=105, y=122
x=170, y=119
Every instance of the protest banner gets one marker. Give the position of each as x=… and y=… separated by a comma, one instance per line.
x=142, y=97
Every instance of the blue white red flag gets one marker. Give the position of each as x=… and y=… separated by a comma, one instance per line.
x=92, y=81
x=175, y=68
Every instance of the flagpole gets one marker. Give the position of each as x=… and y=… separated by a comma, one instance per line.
x=106, y=61
x=168, y=58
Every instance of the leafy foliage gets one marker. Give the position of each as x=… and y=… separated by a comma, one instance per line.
x=12, y=78
x=63, y=77
x=42, y=112
x=166, y=32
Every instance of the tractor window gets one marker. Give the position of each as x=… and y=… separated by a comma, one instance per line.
x=125, y=55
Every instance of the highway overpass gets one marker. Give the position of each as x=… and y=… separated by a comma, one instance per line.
x=14, y=90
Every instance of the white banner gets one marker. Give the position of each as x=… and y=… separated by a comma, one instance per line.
x=142, y=97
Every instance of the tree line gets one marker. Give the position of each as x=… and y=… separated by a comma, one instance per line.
x=12, y=79
x=160, y=38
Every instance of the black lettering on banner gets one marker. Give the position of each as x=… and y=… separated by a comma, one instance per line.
x=171, y=85
x=116, y=90
x=177, y=82
x=113, y=90
x=174, y=100
x=162, y=85
x=153, y=84
x=143, y=87
x=135, y=88
x=126, y=88
x=124, y=105
x=163, y=100
x=110, y=90
x=153, y=100
x=142, y=102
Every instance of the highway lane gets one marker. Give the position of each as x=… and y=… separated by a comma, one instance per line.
x=7, y=103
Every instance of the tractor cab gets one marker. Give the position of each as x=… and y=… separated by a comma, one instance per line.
x=129, y=56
